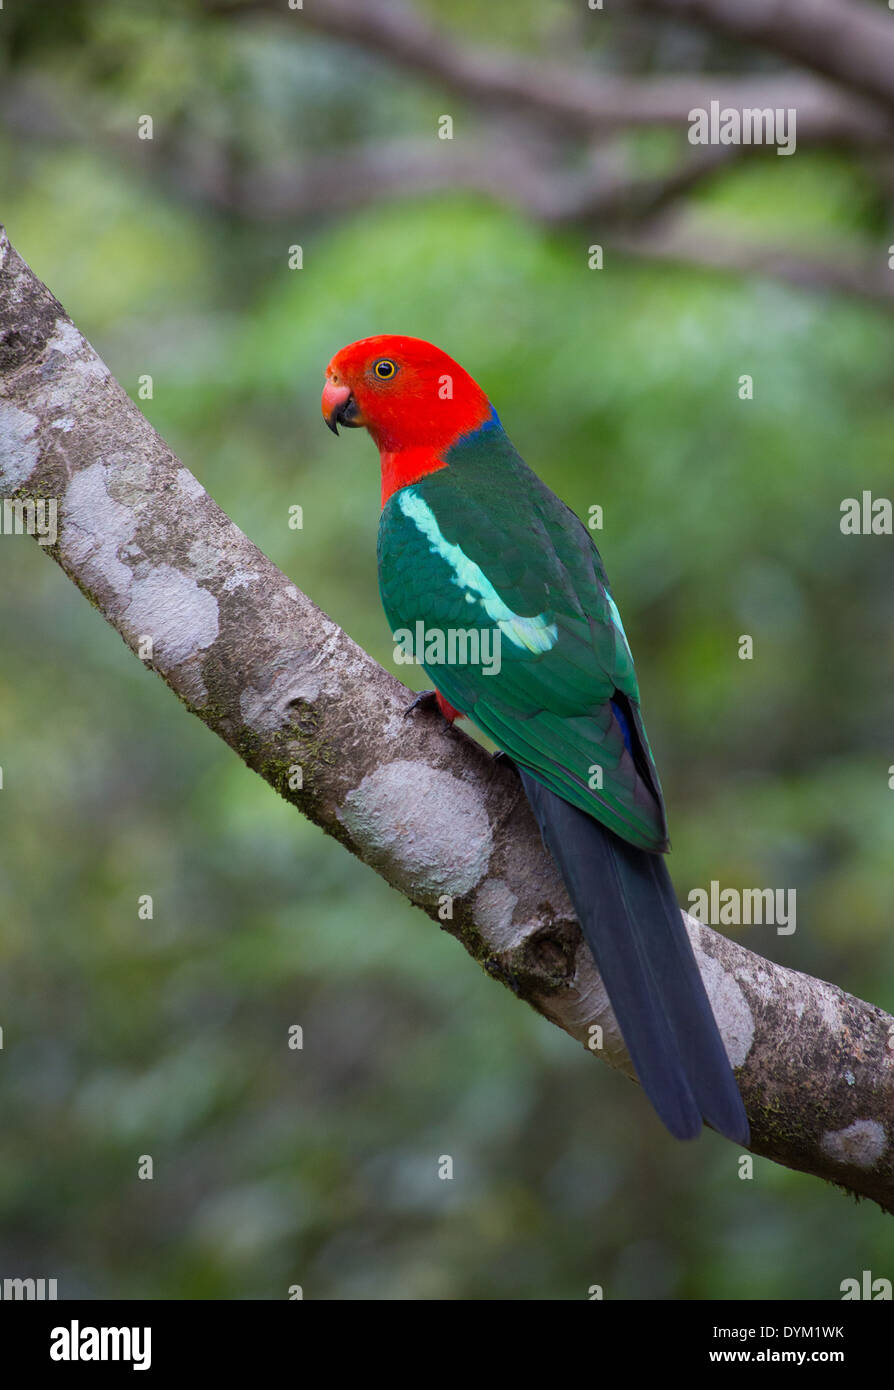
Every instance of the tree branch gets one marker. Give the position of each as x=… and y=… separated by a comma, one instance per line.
x=686, y=240
x=852, y=43
x=503, y=171
x=574, y=97
x=429, y=810
x=602, y=199
x=499, y=163
x=636, y=215
x=577, y=99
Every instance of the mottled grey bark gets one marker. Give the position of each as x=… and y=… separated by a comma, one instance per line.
x=261, y=665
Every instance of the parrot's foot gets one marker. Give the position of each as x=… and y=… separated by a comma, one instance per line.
x=426, y=699
x=501, y=757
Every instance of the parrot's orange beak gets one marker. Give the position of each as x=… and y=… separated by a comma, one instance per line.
x=339, y=406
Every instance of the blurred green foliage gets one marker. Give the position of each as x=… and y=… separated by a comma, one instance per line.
x=168, y=1037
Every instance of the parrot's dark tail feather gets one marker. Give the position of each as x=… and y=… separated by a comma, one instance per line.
x=628, y=912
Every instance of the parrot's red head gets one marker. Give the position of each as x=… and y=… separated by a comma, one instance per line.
x=414, y=400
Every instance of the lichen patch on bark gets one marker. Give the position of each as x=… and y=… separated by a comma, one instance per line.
x=179, y=615
x=860, y=1145
x=19, y=451
x=94, y=528
x=425, y=829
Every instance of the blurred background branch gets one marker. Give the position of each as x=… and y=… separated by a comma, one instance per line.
x=553, y=134
x=834, y=40
x=849, y=41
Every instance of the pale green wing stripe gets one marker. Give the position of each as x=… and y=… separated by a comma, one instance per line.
x=534, y=634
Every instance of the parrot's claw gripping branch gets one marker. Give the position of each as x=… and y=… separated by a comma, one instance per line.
x=426, y=700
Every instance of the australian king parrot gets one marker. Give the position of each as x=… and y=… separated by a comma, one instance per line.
x=472, y=544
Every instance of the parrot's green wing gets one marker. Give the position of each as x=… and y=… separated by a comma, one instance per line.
x=483, y=548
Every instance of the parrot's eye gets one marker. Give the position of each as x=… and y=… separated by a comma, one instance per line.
x=385, y=369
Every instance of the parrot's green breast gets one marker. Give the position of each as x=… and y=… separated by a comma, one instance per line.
x=507, y=592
